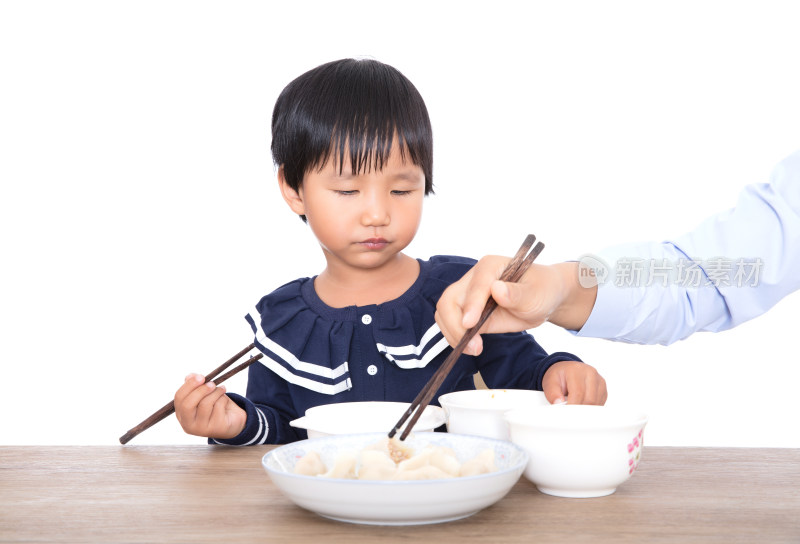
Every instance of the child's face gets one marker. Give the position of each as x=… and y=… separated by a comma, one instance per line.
x=363, y=220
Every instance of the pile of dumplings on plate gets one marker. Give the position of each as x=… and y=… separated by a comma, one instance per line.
x=390, y=459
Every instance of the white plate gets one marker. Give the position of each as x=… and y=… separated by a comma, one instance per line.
x=395, y=502
x=363, y=417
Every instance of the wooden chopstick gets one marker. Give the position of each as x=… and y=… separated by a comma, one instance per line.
x=513, y=272
x=169, y=408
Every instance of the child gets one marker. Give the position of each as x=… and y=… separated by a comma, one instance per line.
x=353, y=143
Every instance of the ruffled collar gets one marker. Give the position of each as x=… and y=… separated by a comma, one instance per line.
x=309, y=344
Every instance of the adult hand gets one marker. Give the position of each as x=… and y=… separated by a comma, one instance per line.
x=544, y=293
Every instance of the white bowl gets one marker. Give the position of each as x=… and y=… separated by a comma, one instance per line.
x=363, y=417
x=395, y=502
x=578, y=450
x=481, y=412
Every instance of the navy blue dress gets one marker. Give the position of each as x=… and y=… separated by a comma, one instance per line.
x=315, y=354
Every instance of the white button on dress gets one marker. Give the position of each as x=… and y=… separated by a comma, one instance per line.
x=372, y=370
x=366, y=319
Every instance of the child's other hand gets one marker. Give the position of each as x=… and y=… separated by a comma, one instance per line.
x=574, y=382
x=203, y=409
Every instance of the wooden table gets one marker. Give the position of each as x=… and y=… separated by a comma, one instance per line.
x=219, y=494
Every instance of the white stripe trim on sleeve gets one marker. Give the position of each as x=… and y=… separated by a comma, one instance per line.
x=263, y=431
x=262, y=426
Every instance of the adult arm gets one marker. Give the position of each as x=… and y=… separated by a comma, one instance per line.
x=735, y=266
x=748, y=259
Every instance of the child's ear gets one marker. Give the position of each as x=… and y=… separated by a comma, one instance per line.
x=292, y=197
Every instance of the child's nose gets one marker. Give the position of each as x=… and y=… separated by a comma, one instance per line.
x=376, y=212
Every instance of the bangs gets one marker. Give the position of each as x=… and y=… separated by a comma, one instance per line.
x=350, y=110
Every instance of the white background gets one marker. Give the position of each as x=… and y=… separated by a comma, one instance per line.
x=140, y=217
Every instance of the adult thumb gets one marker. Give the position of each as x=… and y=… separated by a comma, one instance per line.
x=507, y=294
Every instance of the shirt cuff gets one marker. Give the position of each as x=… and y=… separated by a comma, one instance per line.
x=256, y=428
x=616, y=308
x=609, y=315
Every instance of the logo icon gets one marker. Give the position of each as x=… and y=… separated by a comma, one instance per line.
x=592, y=270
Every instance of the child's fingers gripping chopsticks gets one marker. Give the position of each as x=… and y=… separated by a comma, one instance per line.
x=203, y=409
x=169, y=408
x=188, y=397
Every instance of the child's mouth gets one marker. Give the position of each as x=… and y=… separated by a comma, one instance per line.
x=374, y=243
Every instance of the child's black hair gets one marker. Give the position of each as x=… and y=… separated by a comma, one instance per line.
x=350, y=108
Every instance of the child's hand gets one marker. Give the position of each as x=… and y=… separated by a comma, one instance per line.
x=203, y=409
x=574, y=382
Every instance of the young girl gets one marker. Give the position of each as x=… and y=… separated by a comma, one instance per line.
x=354, y=146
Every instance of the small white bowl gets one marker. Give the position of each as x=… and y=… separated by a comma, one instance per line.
x=578, y=450
x=363, y=417
x=480, y=412
x=390, y=502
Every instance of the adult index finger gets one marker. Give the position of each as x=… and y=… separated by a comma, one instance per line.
x=479, y=287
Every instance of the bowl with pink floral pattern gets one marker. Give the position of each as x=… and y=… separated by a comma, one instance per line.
x=578, y=450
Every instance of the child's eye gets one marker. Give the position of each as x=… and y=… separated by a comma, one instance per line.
x=347, y=193
x=401, y=193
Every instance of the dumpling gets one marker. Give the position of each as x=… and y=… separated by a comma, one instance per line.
x=343, y=467
x=445, y=459
x=440, y=457
x=480, y=464
x=390, y=459
x=376, y=465
x=427, y=472
x=396, y=450
x=310, y=465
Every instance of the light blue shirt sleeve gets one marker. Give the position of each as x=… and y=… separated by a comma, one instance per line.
x=734, y=266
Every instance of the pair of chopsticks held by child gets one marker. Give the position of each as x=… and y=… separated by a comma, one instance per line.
x=354, y=148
